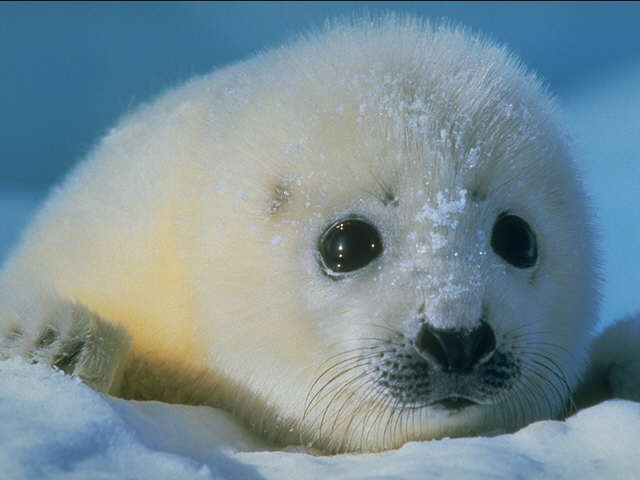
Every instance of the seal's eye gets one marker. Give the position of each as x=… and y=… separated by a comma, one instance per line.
x=349, y=245
x=513, y=239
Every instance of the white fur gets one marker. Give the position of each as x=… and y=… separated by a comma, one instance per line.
x=614, y=364
x=195, y=222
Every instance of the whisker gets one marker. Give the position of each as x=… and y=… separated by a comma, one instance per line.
x=558, y=372
x=546, y=380
x=339, y=391
x=344, y=363
x=353, y=414
x=317, y=395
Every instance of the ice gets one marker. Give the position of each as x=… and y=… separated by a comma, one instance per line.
x=55, y=427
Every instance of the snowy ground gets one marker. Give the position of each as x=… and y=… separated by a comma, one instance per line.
x=85, y=435
x=56, y=428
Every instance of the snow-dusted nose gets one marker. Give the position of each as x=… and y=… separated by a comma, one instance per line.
x=455, y=350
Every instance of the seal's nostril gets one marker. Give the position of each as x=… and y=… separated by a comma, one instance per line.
x=455, y=350
x=485, y=342
x=429, y=346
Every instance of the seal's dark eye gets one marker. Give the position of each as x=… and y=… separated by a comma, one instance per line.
x=349, y=245
x=513, y=239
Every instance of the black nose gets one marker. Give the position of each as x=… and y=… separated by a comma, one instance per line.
x=455, y=351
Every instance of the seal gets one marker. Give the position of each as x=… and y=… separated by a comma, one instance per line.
x=372, y=235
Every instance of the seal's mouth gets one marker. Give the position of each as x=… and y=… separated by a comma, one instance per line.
x=453, y=403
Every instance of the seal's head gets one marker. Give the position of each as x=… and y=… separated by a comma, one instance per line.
x=392, y=242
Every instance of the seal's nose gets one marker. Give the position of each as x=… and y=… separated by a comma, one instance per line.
x=455, y=350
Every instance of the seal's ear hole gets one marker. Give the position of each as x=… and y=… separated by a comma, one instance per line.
x=514, y=241
x=390, y=199
x=280, y=197
x=478, y=195
x=349, y=245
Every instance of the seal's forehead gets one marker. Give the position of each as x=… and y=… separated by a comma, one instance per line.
x=440, y=91
x=399, y=101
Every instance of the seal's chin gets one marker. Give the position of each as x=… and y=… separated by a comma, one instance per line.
x=453, y=403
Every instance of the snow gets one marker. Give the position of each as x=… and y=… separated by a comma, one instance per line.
x=55, y=427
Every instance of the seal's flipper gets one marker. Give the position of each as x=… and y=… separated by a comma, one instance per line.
x=74, y=340
x=614, y=366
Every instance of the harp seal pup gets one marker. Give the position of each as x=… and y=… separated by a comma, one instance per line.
x=369, y=236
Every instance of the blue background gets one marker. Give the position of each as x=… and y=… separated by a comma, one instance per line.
x=69, y=70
